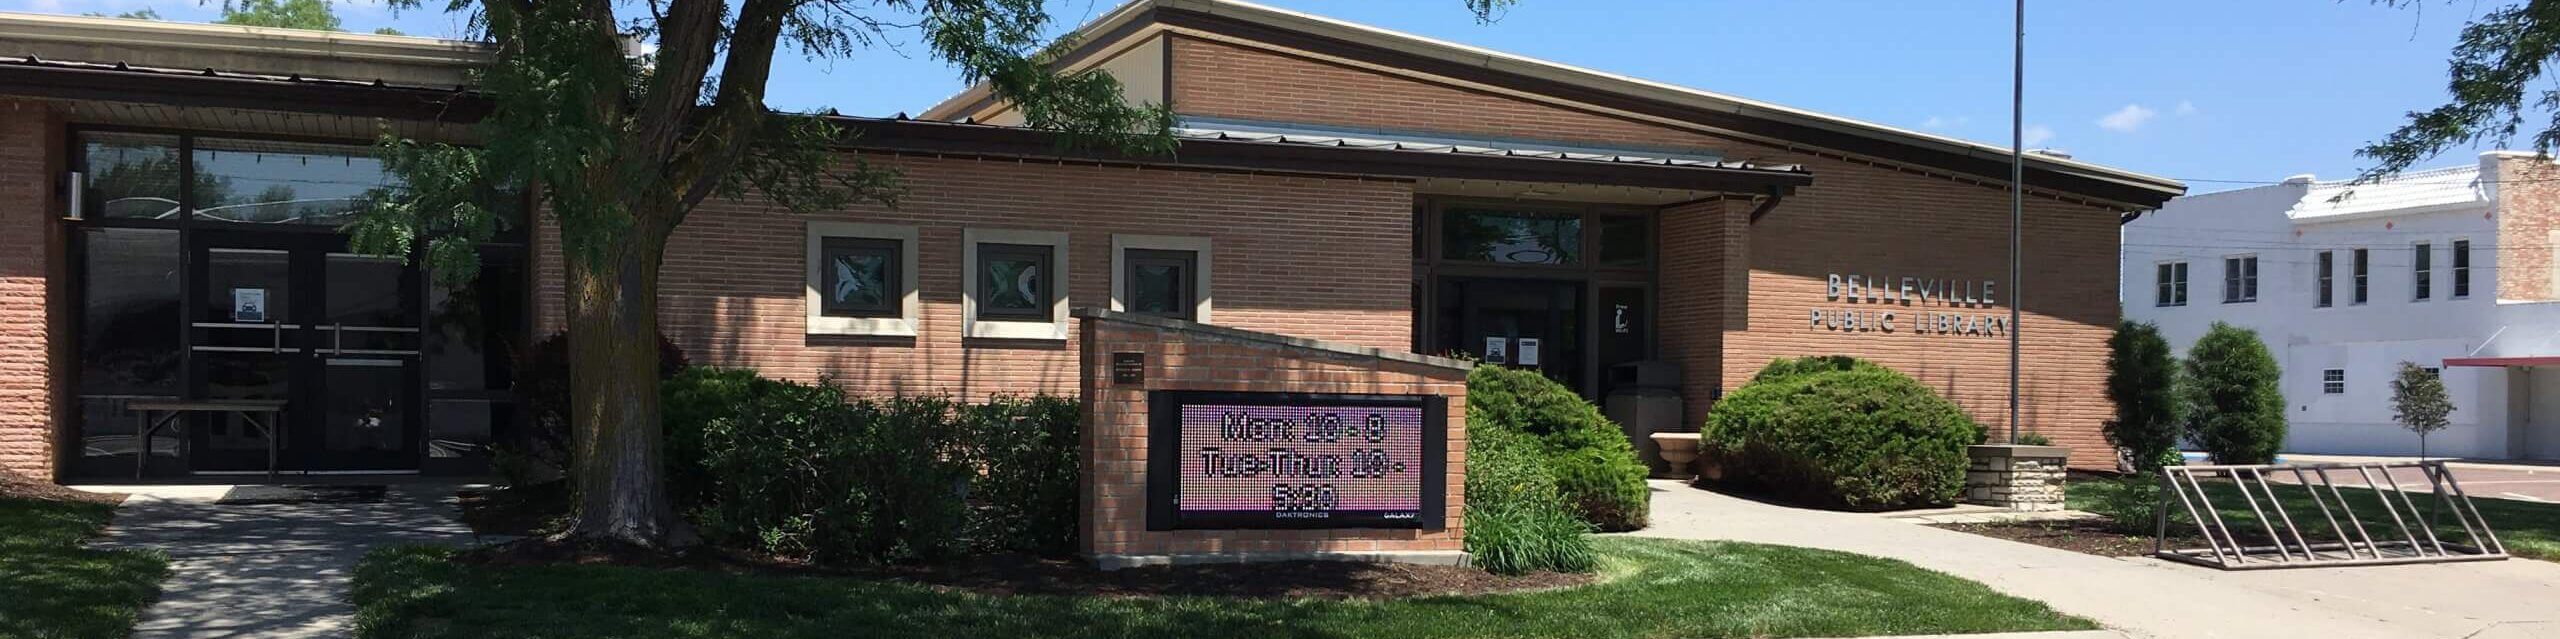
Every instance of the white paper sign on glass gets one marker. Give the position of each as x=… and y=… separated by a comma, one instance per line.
x=249, y=305
x=1528, y=351
x=1497, y=350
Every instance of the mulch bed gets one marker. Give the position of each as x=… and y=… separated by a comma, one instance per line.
x=533, y=512
x=2091, y=536
x=13, y=486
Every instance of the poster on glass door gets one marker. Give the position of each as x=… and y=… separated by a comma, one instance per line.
x=249, y=305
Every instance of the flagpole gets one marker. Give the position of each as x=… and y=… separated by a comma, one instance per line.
x=2017, y=199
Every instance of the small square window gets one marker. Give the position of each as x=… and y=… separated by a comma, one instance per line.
x=2333, y=381
x=859, y=277
x=1161, y=282
x=2434, y=372
x=1014, y=283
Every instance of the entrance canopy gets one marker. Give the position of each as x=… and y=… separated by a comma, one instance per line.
x=2534, y=360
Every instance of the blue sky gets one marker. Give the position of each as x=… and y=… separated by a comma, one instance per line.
x=2218, y=92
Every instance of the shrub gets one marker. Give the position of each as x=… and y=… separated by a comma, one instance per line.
x=1516, y=520
x=1594, y=466
x=2142, y=381
x=1023, y=491
x=1861, y=437
x=2238, y=410
x=538, y=448
x=801, y=472
x=688, y=403
x=1783, y=367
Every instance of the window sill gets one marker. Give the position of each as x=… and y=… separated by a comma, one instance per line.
x=1018, y=329
x=863, y=326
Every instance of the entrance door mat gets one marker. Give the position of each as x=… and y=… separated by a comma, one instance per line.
x=303, y=494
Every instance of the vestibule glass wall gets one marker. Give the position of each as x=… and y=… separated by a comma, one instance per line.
x=1565, y=289
x=212, y=266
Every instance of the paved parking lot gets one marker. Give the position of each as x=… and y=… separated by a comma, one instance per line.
x=2525, y=481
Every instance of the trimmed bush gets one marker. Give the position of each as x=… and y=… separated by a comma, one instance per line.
x=801, y=472
x=687, y=405
x=1516, y=520
x=1022, y=495
x=2142, y=381
x=1783, y=368
x=2238, y=409
x=1594, y=467
x=1861, y=437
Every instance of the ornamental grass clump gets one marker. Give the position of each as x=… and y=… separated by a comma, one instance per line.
x=1841, y=433
x=1516, y=520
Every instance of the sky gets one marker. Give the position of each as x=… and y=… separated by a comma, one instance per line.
x=2220, y=93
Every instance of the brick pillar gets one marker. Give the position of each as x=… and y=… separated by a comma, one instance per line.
x=29, y=251
x=1704, y=280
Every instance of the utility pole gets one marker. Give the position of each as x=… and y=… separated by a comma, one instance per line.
x=2017, y=200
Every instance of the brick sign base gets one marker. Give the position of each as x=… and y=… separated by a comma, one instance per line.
x=1124, y=356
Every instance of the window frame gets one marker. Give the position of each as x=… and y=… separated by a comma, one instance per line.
x=2461, y=263
x=2333, y=381
x=2362, y=274
x=2324, y=276
x=1055, y=327
x=2240, y=278
x=910, y=303
x=2422, y=270
x=1201, y=271
x=2169, y=286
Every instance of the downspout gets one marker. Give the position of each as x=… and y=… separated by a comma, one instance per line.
x=1766, y=204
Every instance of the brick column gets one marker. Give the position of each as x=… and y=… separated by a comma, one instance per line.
x=30, y=379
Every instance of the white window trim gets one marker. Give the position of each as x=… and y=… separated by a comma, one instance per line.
x=2324, y=381
x=2173, y=264
x=1055, y=328
x=2418, y=278
x=1198, y=246
x=2229, y=276
x=2451, y=274
x=909, y=305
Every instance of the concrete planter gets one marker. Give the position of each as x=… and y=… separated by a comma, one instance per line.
x=2026, y=478
x=1678, y=450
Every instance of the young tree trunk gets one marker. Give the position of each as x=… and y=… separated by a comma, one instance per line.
x=613, y=410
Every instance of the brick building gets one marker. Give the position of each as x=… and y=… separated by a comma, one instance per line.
x=172, y=192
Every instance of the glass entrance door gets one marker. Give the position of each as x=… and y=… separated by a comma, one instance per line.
x=294, y=316
x=1527, y=323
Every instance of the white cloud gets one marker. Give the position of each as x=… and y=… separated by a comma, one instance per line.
x=2185, y=108
x=1938, y=122
x=2037, y=134
x=2127, y=119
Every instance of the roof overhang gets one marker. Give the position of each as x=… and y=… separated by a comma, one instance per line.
x=33, y=77
x=2495, y=362
x=977, y=140
x=1722, y=114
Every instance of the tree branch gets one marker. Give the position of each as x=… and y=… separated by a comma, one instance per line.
x=732, y=120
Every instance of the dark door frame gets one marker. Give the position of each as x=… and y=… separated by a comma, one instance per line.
x=311, y=348
x=1430, y=264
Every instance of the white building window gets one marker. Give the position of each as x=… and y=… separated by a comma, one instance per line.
x=2363, y=276
x=1161, y=276
x=2173, y=285
x=2422, y=270
x=2324, y=274
x=861, y=279
x=2461, y=269
x=2240, y=278
x=2333, y=381
x=1013, y=284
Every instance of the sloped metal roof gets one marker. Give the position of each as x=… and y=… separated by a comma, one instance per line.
x=2411, y=192
x=1472, y=147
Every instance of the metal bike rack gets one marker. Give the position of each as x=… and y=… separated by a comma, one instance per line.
x=2408, y=536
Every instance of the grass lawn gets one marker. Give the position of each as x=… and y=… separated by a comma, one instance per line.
x=1651, y=588
x=50, y=586
x=2529, y=529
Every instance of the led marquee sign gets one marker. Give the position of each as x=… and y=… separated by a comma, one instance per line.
x=1287, y=460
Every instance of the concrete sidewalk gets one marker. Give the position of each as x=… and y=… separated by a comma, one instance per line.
x=272, y=570
x=2152, y=598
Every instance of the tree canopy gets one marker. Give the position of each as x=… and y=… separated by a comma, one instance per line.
x=2493, y=73
x=316, y=15
x=2418, y=401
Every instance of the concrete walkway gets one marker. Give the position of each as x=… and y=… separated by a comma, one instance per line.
x=2151, y=598
x=267, y=571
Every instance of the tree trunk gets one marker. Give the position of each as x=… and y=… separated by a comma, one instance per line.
x=613, y=398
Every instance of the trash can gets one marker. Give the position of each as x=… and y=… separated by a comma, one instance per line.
x=1644, y=398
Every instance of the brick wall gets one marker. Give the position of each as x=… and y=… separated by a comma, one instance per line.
x=2528, y=210
x=29, y=158
x=1737, y=294
x=1115, y=435
x=1312, y=257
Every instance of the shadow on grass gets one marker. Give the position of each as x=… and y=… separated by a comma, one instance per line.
x=52, y=586
x=1651, y=588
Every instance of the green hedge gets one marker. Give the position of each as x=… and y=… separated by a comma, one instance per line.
x=1595, y=468
x=1849, y=435
x=1516, y=520
x=805, y=471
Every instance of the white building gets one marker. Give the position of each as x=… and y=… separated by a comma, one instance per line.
x=2344, y=282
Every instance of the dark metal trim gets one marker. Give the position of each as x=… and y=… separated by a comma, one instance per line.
x=1765, y=206
x=178, y=89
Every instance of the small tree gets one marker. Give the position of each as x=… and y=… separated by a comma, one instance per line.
x=2418, y=401
x=2142, y=380
x=2231, y=387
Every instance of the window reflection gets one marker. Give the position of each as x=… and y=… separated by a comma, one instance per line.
x=1512, y=238
x=266, y=182
x=129, y=175
x=129, y=307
